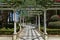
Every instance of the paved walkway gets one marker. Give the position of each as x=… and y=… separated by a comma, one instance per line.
x=29, y=33
x=5, y=38
x=54, y=37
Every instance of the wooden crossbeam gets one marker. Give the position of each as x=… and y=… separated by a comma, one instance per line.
x=6, y=8
x=53, y=9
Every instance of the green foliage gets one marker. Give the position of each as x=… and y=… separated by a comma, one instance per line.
x=14, y=3
x=8, y=31
x=53, y=31
x=2, y=1
x=24, y=13
x=55, y=18
x=55, y=25
x=5, y=31
x=30, y=2
x=45, y=3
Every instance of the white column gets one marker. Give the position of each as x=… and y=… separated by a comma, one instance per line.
x=14, y=22
x=23, y=20
x=20, y=22
x=45, y=33
x=14, y=36
x=39, y=21
x=8, y=17
x=36, y=20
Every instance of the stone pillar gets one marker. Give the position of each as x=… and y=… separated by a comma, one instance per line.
x=39, y=21
x=45, y=33
x=14, y=36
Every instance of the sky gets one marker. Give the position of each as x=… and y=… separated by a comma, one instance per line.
x=17, y=16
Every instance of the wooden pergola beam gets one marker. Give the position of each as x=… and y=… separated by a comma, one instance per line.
x=6, y=8
x=37, y=8
x=53, y=9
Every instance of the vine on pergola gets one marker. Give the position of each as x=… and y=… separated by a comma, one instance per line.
x=16, y=3
x=45, y=3
x=25, y=3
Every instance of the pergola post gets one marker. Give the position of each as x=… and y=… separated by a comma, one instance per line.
x=14, y=36
x=20, y=22
x=39, y=21
x=23, y=20
x=8, y=17
x=45, y=33
x=36, y=20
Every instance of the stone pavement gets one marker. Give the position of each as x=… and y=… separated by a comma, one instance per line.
x=5, y=38
x=54, y=37
x=49, y=38
x=29, y=33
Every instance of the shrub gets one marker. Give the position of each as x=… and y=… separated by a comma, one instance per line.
x=53, y=31
x=18, y=29
x=6, y=31
x=55, y=18
x=55, y=25
x=10, y=25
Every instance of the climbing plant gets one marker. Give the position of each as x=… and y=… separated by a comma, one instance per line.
x=45, y=3
x=16, y=3
x=26, y=3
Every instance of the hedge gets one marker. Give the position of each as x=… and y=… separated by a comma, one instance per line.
x=54, y=25
x=51, y=31
x=7, y=31
x=55, y=18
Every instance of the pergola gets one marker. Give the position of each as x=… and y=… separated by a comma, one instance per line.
x=36, y=13
x=4, y=6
